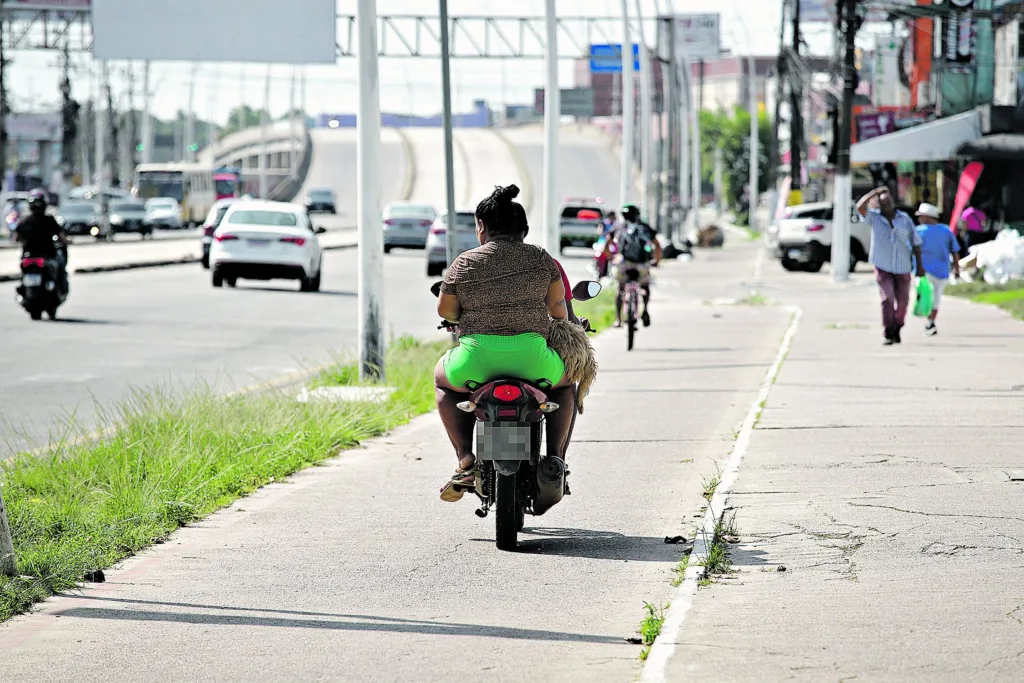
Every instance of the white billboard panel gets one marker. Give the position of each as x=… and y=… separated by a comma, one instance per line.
x=697, y=36
x=61, y=5
x=263, y=31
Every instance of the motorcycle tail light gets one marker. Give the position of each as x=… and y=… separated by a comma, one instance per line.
x=507, y=393
x=507, y=412
x=27, y=262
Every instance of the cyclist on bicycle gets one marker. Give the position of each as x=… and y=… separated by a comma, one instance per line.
x=637, y=249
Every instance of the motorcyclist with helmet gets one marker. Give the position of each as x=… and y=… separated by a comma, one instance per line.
x=42, y=236
x=633, y=246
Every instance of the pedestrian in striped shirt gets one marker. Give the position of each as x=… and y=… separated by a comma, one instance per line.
x=894, y=246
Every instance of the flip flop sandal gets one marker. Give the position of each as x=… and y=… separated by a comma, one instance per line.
x=460, y=482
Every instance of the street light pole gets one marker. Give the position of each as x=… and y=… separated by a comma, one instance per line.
x=645, y=128
x=552, y=117
x=754, y=151
x=371, y=239
x=147, y=118
x=264, y=115
x=628, y=108
x=843, y=186
x=451, y=247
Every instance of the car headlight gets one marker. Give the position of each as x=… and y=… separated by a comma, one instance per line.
x=94, y=231
x=116, y=220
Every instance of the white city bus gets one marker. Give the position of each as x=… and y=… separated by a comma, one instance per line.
x=190, y=184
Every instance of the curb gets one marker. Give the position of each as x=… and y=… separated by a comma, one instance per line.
x=682, y=598
x=524, y=173
x=410, y=164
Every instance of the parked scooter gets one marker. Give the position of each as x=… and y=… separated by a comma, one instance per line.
x=516, y=478
x=39, y=290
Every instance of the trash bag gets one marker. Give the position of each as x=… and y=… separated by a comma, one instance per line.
x=923, y=298
x=1001, y=259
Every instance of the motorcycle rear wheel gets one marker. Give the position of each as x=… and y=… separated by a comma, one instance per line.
x=507, y=512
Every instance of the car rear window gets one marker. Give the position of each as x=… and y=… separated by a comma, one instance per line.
x=320, y=194
x=462, y=220
x=572, y=211
x=813, y=214
x=255, y=217
x=410, y=211
x=126, y=206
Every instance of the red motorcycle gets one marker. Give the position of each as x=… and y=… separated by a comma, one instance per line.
x=515, y=479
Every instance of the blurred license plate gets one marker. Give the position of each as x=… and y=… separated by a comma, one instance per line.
x=258, y=243
x=794, y=253
x=32, y=280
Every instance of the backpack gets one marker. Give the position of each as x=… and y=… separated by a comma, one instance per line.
x=635, y=245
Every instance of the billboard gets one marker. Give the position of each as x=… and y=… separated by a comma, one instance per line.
x=824, y=11
x=697, y=36
x=262, y=31
x=59, y=5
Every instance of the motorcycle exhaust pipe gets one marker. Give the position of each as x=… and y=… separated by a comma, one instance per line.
x=550, y=484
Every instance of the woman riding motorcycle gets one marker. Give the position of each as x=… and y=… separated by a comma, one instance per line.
x=503, y=295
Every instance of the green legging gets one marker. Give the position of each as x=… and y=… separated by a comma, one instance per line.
x=480, y=358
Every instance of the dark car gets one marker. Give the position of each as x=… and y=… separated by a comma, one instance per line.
x=80, y=218
x=320, y=200
x=129, y=215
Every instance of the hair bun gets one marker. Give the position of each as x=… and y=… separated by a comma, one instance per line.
x=507, y=193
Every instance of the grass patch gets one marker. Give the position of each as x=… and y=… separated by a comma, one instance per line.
x=650, y=627
x=170, y=460
x=710, y=485
x=599, y=310
x=753, y=300
x=1009, y=297
x=680, y=570
x=753, y=234
x=718, y=561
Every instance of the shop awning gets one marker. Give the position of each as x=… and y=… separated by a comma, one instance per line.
x=936, y=140
x=998, y=147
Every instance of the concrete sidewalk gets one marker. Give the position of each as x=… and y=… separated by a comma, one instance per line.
x=889, y=484
x=357, y=572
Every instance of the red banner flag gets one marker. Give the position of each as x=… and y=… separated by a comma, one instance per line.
x=968, y=181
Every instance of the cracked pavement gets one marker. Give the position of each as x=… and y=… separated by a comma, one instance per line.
x=882, y=479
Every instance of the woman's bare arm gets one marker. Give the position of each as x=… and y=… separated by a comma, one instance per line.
x=448, y=307
x=556, y=300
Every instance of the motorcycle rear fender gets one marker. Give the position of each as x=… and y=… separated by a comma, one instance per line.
x=507, y=467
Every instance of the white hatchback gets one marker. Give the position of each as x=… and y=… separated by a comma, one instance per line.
x=260, y=240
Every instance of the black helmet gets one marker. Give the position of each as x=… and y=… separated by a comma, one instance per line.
x=630, y=212
x=37, y=200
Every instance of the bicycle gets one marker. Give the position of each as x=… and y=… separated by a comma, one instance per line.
x=631, y=294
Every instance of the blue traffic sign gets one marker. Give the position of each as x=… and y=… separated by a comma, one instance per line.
x=606, y=59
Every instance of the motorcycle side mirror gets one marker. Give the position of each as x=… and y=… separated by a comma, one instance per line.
x=585, y=290
x=320, y=229
x=435, y=288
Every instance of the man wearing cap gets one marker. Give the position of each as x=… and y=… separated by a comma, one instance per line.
x=938, y=245
x=894, y=243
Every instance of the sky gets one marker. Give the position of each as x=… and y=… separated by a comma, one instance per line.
x=407, y=85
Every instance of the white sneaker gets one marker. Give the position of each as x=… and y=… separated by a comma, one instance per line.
x=930, y=329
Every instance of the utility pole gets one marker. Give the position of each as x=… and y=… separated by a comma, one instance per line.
x=147, y=117
x=371, y=239
x=264, y=114
x=69, y=126
x=113, y=153
x=669, y=74
x=843, y=185
x=451, y=245
x=190, y=121
x=628, y=108
x=796, y=103
x=754, y=151
x=4, y=111
x=131, y=135
x=552, y=116
x=646, y=85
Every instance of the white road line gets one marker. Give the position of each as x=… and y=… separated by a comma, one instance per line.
x=665, y=645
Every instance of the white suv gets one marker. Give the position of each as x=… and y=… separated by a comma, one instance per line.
x=804, y=238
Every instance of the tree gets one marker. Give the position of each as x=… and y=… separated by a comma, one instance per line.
x=250, y=118
x=731, y=132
